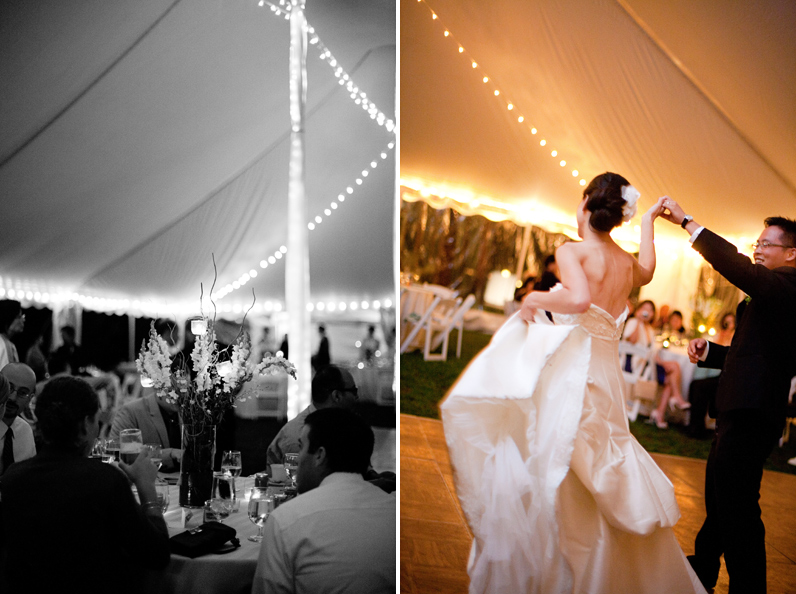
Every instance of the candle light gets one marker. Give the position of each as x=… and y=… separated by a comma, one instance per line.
x=198, y=326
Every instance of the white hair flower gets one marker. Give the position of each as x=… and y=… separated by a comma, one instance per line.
x=630, y=196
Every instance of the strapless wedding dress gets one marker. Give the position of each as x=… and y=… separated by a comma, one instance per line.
x=560, y=497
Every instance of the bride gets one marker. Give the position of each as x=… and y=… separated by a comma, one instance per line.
x=560, y=497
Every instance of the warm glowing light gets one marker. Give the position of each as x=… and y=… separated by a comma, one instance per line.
x=712, y=332
x=433, y=16
x=582, y=182
x=447, y=33
x=574, y=173
x=562, y=163
x=475, y=65
x=666, y=344
x=486, y=79
x=543, y=142
x=520, y=119
x=198, y=326
x=534, y=130
x=505, y=273
x=554, y=153
x=510, y=106
x=461, y=49
x=146, y=382
x=497, y=92
x=701, y=327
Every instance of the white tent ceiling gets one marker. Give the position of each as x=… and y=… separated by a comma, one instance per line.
x=691, y=98
x=139, y=138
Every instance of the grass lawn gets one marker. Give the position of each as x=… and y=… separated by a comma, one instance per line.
x=424, y=383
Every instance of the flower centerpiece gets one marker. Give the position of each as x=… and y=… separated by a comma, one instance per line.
x=203, y=389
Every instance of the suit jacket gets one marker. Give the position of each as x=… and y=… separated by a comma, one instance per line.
x=758, y=365
x=143, y=414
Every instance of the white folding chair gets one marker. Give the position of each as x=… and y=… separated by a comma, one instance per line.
x=446, y=317
x=642, y=370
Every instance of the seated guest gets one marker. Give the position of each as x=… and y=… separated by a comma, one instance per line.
x=16, y=435
x=70, y=523
x=332, y=386
x=159, y=422
x=727, y=330
x=676, y=325
x=338, y=535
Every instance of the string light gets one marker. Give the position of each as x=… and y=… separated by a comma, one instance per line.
x=311, y=225
x=485, y=78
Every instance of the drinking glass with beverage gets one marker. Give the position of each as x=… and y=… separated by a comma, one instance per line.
x=162, y=491
x=112, y=449
x=291, y=467
x=261, y=504
x=130, y=444
x=97, y=450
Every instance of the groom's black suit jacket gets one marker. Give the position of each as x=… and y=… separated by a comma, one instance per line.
x=758, y=365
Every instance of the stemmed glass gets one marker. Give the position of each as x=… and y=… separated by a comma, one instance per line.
x=291, y=467
x=231, y=466
x=261, y=504
x=162, y=491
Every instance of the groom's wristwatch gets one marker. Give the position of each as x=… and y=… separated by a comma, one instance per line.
x=686, y=219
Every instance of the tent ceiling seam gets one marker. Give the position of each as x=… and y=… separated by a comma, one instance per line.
x=691, y=78
x=82, y=284
x=24, y=144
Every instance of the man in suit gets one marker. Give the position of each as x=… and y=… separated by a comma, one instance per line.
x=159, y=422
x=751, y=397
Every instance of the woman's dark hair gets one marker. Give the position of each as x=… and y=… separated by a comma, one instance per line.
x=9, y=310
x=643, y=303
x=61, y=408
x=604, y=201
x=348, y=439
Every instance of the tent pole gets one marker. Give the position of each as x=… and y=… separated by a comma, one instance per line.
x=297, y=269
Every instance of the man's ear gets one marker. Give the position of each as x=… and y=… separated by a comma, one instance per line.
x=320, y=456
x=791, y=255
x=335, y=396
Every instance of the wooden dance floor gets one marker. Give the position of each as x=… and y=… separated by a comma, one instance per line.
x=435, y=540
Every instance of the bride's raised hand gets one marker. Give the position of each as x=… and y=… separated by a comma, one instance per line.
x=655, y=210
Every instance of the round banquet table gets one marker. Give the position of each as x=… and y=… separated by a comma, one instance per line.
x=229, y=573
x=688, y=371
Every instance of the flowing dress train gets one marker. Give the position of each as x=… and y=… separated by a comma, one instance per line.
x=559, y=495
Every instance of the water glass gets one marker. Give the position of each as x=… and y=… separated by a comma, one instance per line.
x=231, y=466
x=155, y=454
x=216, y=510
x=162, y=491
x=112, y=449
x=291, y=467
x=261, y=504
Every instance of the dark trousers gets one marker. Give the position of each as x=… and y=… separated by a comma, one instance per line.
x=702, y=396
x=733, y=527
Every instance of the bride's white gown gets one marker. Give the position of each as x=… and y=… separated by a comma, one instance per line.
x=559, y=495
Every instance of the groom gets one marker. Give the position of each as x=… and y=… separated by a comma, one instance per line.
x=752, y=394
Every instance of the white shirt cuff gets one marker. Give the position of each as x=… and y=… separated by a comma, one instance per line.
x=692, y=239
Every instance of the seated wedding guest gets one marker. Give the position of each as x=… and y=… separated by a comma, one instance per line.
x=332, y=387
x=726, y=330
x=16, y=435
x=12, y=322
x=338, y=535
x=676, y=325
x=639, y=331
x=70, y=523
x=159, y=422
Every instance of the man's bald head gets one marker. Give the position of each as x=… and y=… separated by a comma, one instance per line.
x=22, y=382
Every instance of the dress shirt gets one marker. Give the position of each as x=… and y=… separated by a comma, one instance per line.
x=286, y=441
x=24, y=446
x=338, y=537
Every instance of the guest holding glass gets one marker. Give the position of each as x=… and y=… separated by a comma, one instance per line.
x=70, y=523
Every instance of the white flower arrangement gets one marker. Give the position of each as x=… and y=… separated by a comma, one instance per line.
x=205, y=395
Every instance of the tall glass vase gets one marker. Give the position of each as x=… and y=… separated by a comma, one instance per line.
x=196, y=468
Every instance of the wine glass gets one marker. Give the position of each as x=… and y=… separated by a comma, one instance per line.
x=291, y=467
x=130, y=443
x=261, y=504
x=98, y=450
x=231, y=466
x=155, y=454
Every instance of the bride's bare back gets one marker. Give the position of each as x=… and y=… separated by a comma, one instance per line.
x=610, y=273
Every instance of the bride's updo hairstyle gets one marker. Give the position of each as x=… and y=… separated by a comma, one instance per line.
x=604, y=201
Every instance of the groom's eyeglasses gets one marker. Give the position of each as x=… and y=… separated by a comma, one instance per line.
x=765, y=245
